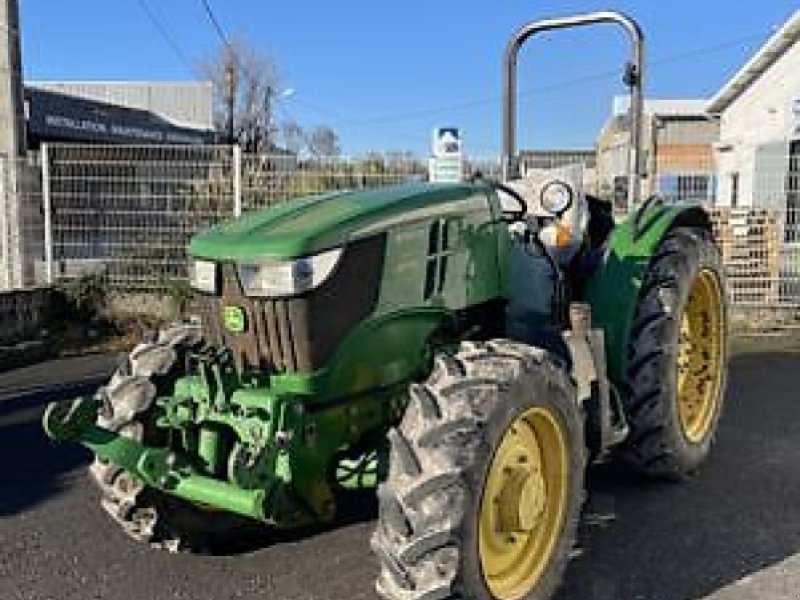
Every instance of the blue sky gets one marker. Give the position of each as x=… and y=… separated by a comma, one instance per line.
x=384, y=73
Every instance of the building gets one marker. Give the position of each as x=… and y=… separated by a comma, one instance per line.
x=677, y=141
x=758, y=153
x=547, y=159
x=119, y=112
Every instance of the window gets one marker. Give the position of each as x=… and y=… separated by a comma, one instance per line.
x=734, y=190
x=792, y=233
x=438, y=251
x=693, y=187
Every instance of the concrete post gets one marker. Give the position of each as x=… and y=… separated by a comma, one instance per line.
x=12, y=146
x=237, y=180
x=47, y=209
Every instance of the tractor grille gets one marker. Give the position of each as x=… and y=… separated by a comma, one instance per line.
x=296, y=334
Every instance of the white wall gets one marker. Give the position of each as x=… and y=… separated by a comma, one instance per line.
x=761, y=115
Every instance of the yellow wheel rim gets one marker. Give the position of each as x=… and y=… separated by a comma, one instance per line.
x=523, y=507
x=701, y=357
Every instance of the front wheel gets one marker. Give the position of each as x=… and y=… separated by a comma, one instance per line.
x=485, y=480
x=147, y=514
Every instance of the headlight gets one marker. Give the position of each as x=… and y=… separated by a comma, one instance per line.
x=287, y=278
x=203, y=276
x=556, y=197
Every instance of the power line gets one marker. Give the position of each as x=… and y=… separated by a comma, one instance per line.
x=165, y=34
x=375, y=123
x=234, y=56
x=214, y=22
x=496, y=98
x=394, y=133
x=323, y=111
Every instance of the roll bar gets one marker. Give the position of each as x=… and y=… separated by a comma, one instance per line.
x=633, y=78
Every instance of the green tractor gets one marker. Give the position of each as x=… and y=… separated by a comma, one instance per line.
x=470, y=347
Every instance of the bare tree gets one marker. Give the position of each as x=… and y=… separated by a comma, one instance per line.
x=324, y=141
x=244, y=82
x=294, y=137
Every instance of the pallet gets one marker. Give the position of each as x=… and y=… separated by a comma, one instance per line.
x=750, y=243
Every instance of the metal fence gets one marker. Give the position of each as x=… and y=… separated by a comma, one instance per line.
x=270, y=179
x=126, y=213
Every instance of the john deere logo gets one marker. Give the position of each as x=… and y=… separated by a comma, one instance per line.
x=234, y=319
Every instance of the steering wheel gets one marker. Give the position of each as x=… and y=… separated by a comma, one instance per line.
x=512, y=216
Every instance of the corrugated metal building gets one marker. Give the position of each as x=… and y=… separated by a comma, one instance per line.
x=184, y=103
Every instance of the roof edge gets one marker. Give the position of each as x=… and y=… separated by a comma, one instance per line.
x=775, y=47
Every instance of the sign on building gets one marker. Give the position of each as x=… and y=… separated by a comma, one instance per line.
x=447, y=160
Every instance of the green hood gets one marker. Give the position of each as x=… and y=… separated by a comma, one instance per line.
x=308, y=225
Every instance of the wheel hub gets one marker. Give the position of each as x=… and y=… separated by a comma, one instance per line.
x=523, y=506
x=521, y=501
x=700, y=358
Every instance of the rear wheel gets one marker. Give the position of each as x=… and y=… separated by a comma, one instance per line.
x=485, y=479
x=677, y=357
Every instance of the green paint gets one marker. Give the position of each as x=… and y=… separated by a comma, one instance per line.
x=208, y=448
x=290, y=430
x=275, y=446
x=613, y=290
x=234, y=319
x=309, y=225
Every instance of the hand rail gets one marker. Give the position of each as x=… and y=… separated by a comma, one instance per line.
x=633, y=78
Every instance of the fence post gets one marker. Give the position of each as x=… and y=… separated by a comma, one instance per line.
x=5, y=234
x=237, y=180
x=47, y=209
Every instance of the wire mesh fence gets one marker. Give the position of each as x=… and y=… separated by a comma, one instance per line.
x=271, y=179
x=125, y=213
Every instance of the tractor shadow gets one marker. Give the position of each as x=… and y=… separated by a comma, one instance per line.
x=739, y=514
x=354, y=507
x=33, y=468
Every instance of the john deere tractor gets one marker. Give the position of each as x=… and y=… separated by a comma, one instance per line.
x=469, y=346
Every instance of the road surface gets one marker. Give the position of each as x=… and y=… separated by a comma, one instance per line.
x=739, y=518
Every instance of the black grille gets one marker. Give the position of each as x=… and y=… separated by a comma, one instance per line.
x=297, y=334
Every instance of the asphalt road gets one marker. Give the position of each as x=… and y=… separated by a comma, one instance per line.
x=638, y=541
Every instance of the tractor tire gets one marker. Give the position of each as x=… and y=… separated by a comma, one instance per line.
x=146, y=514
x=677, y=358
x=485, y=480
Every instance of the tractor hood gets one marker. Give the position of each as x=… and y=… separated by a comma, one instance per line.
x=308, y=225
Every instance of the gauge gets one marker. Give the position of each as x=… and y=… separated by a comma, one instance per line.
x=556, y=197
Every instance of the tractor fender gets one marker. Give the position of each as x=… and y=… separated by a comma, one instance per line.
x=612, y=289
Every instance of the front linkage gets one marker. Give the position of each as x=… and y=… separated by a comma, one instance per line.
x=161, y=468
x=248, y=444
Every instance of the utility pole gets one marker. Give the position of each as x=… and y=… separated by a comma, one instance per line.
x=230, y=91
x=268, y=119
x=12, y=148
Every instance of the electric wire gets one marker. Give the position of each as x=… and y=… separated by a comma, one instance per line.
x=168, y=38
x=533, y=91
x=215, y=23
x=377, y=123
